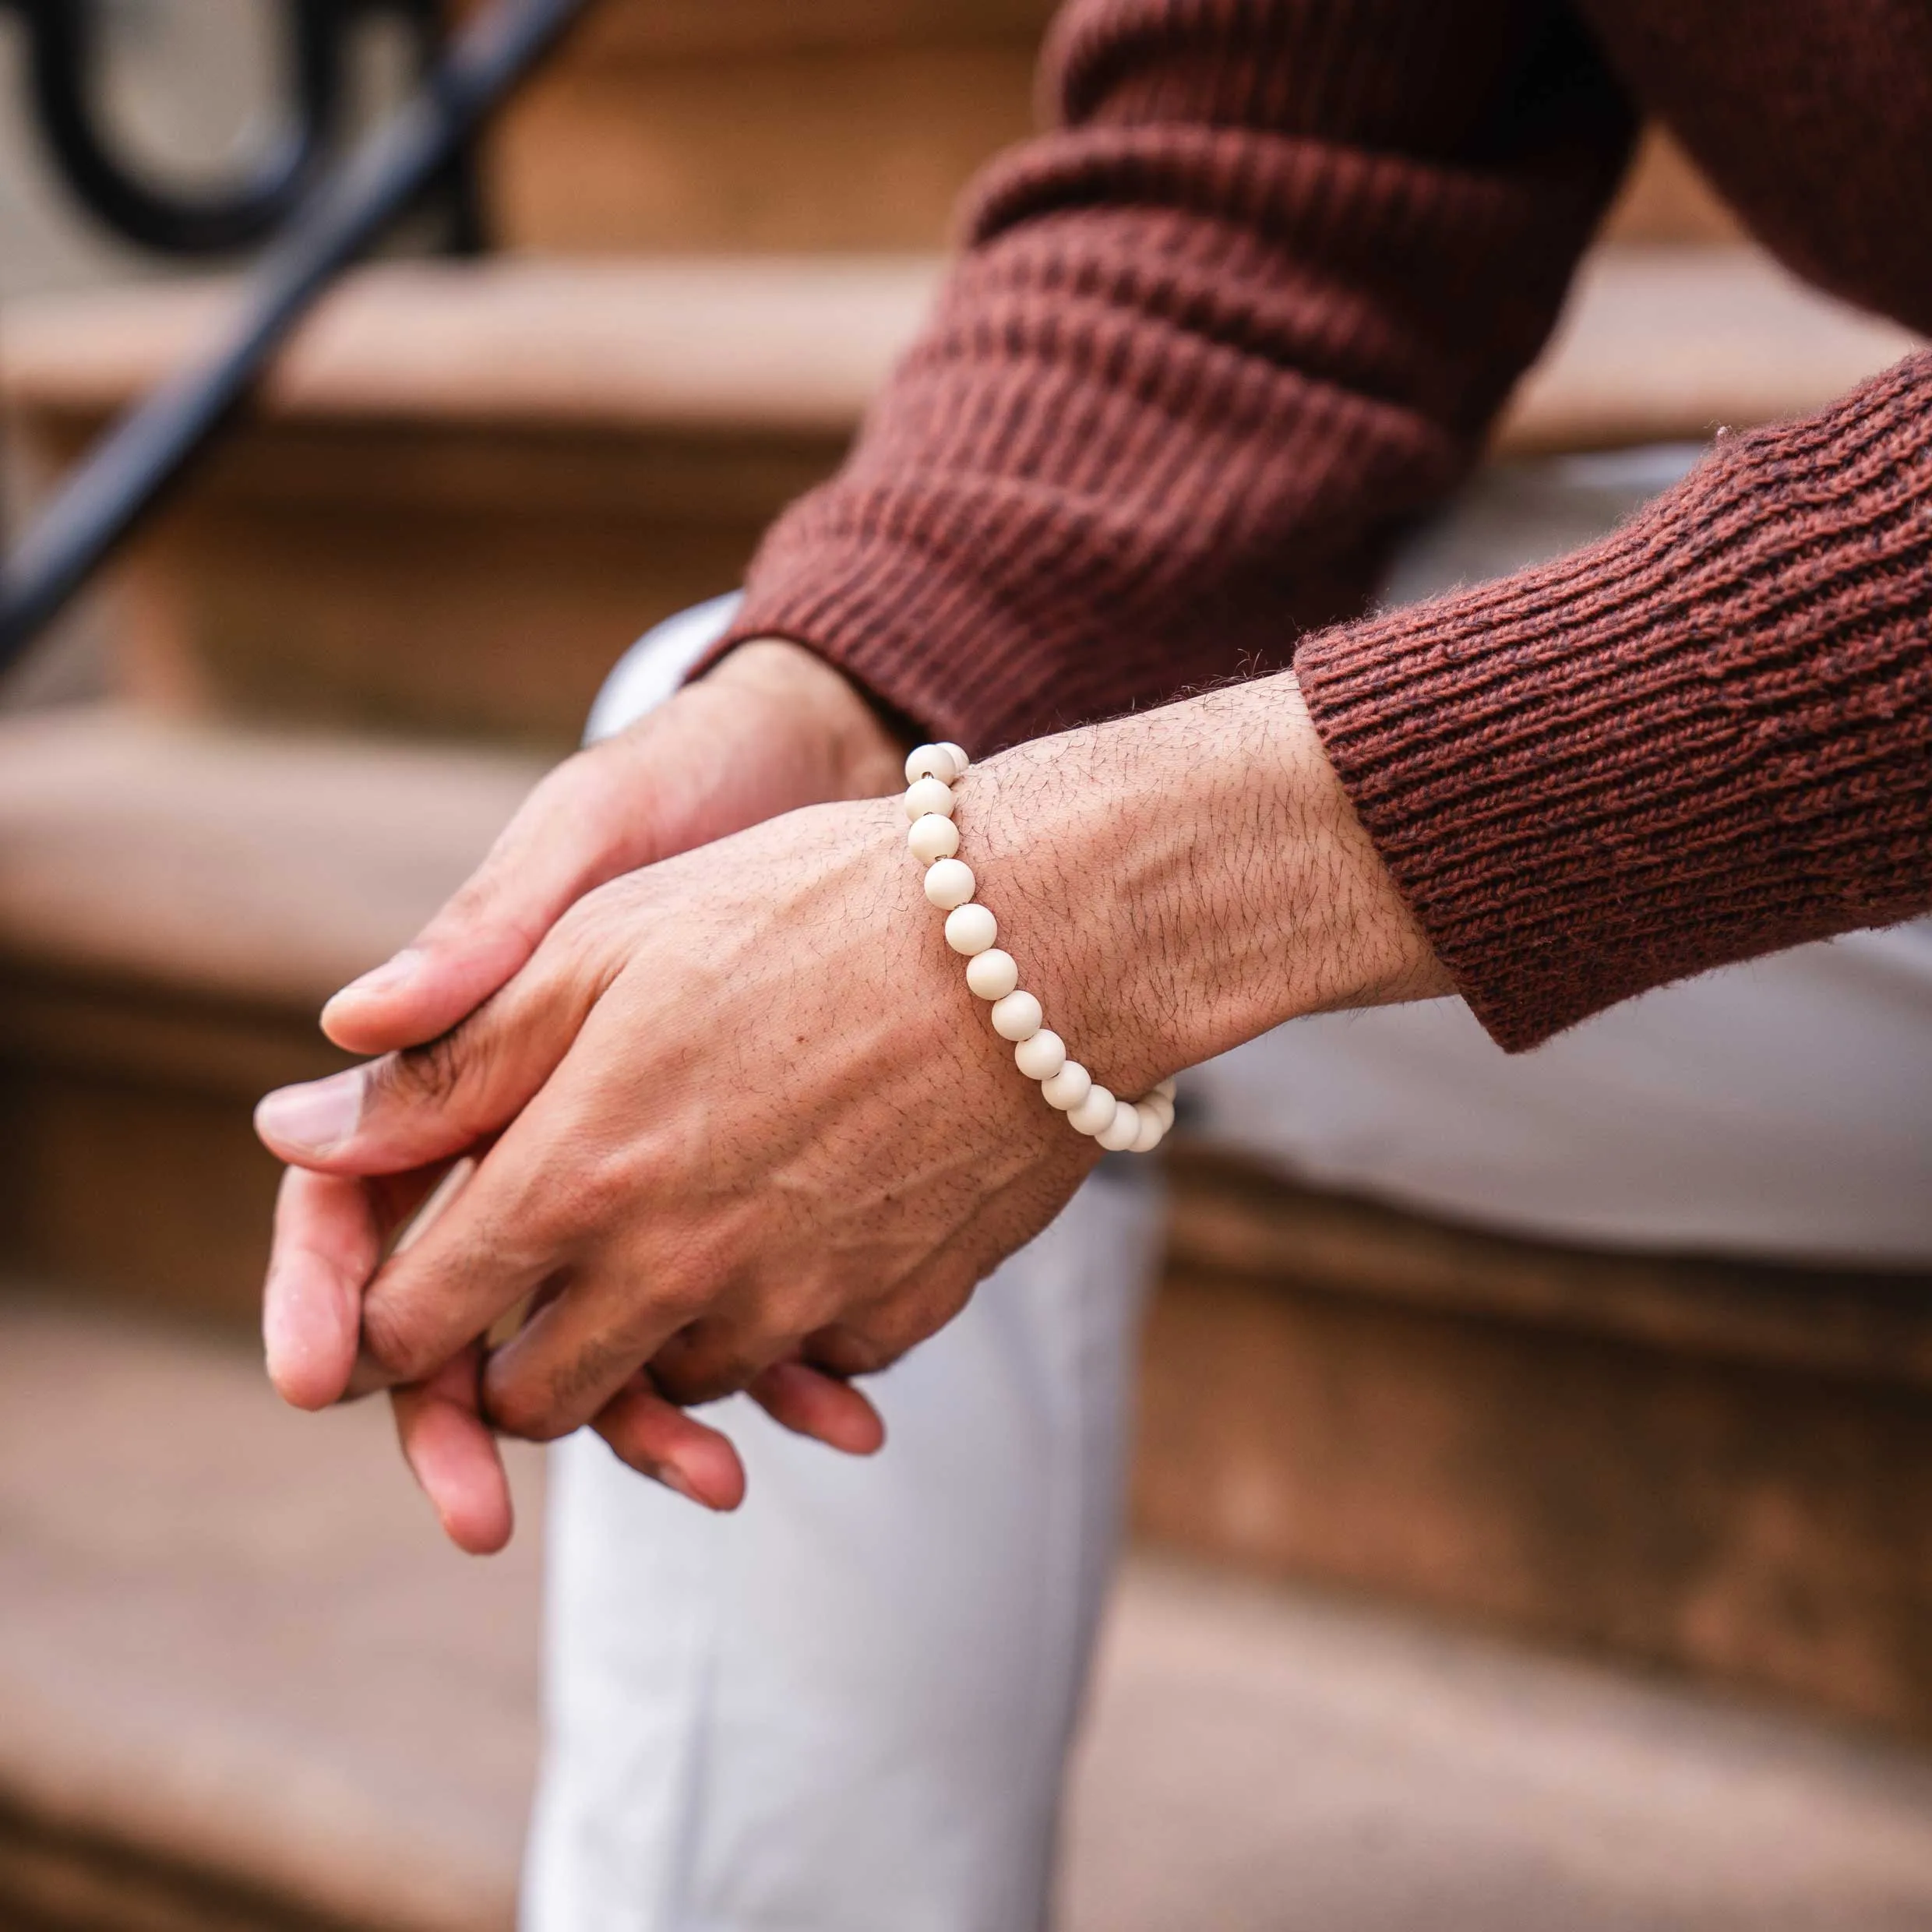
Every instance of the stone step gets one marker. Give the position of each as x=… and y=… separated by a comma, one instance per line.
x=245, y=1688
x=684, y=125
x=681, y=124
x=468, y=489
x=176, y=902
x=1718, y=1466
x=465, y=489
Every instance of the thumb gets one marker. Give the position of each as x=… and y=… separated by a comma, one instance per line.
x=771, y=728
x=426, y=1104
x=588, y=821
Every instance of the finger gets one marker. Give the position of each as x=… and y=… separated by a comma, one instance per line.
x=329, y=1235
x=545, y=1196
x=809, y=1403
x=502, y=1238
x=454, y=1455
x=771, y=727
x=711, y=1358
x=575, y=1355
x=872, y=1338
x=429, y=1103
x=368, y=1376
x=576, y=829
x=658, y=1439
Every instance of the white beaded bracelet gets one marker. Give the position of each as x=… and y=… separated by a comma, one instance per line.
x=1136, y=1126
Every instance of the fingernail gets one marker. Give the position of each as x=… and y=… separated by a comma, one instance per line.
x=315, y=1117
x=380, y=980
x=674, y=1480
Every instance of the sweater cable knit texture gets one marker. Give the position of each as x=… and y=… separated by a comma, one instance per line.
x=1253, y=308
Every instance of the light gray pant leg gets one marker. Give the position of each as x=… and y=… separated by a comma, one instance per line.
x=847, y=1708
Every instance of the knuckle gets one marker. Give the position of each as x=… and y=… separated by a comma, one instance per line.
x=395, y=1338
x=706, y=1361
x=690, y=1384
x=682, y=1295
x=476, y=902
x=864, y=1343
x=602, y=1185
x=523, y=1406
x=589, y=942
x=843, y=1352
x=541, y=1400
x=562, y=1204
x=431, y=1075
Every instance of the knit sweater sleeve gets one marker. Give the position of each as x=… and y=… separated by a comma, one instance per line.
x=1209, y=346
x=1707, y=737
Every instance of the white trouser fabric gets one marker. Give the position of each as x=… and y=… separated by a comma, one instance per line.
x=847, y=1706
x=845, y=1709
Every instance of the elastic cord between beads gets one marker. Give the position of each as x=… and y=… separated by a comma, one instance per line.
x=992, y=975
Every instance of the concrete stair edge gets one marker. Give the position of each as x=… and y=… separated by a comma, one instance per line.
x=254, y=869
x=1237, y=1217
x=1245, y=1743
x=1659, y=343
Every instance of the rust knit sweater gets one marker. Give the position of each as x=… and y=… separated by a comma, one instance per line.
x=1253, y=308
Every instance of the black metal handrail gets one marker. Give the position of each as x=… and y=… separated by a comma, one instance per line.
x=134, y=463
x=64, y=45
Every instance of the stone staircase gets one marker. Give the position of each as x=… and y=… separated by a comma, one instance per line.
x=177, y=900
x=338, y=661
x=682, y=124
x=243, y=1688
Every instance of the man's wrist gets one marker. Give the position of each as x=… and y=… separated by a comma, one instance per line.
x=1177, y=883
x=861, y=753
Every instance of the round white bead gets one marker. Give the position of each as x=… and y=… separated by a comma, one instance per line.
x=1017, y=1017
x=1159, y=1104
x=1068, y=1088
x=1153, y=1130
x=1122, y=1131
x=1165, y=1089
x=961, y=762
x=943, y=762
x=971, y=929
x=1042, y=1056
x=948, y=884
x=1093, y=1112
x=929, y=795
x=932, y=837
x=992, y=974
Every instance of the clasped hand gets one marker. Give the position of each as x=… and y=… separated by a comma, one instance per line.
x=736, y=1121
x=717, y=1119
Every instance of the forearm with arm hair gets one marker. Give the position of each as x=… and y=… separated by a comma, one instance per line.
x=1175, y=882
x=1252, y=305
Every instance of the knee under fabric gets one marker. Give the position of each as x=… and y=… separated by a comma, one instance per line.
x=654, y=668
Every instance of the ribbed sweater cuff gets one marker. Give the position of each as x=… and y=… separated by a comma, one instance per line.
x=926, y=638
x=992, y=650
x=1707, y=737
